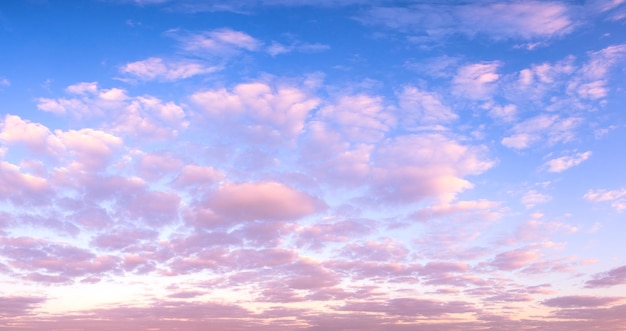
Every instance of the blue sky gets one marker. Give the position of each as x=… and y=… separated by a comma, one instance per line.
x=312, y=165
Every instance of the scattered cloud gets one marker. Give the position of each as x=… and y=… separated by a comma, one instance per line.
x=563, y=163
x=155, y=68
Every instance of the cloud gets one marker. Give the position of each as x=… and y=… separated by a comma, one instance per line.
x=529, y=20
x=542, y=127
x=277, y=48
x=258, y=110
x=476, y=81
x=4, y=82
x=17, y=306
x=423, y=108
x=613, y=277
x=434, y=168
x=156, y=68
x=36, y=137
x=261, y=201
x=533, y=198
x=576, y=301
x=219, y=42
x=362, y=118
x=515, y=259
x=616, y=197
x=563, y=163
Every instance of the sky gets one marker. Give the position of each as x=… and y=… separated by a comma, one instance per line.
x=312, y=165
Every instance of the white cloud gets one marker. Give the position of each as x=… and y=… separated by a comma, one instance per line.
x=156, y=68
x=4, y=82
x=565, y=162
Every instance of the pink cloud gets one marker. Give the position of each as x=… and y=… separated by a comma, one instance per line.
x=258, y=111
x=117, y=239
x=261, y=201
x=384, y=250
x=609, y=278
x=515, y=259
x=411, y=307
x=16, y=306
x=52, y=262
x=36, y=137
x=434, y=168
x=317, y=235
